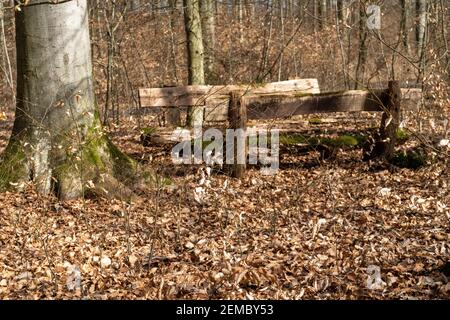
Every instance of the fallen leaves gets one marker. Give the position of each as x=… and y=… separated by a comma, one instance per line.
x=105, y=262
x=310, y=232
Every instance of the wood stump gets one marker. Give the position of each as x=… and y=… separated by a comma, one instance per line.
x=390, y=121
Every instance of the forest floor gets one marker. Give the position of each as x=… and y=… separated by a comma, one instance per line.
x=337, y=228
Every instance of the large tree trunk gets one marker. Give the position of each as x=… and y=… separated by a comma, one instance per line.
x=196, y=72
x=57, y=140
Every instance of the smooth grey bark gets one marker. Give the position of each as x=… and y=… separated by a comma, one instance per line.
x=343, y=11
x=3, y=53
x=323, y=13
x=173, y=115
x=341, y=35
x=135, y=4
x=5, y=61
x=57, y=141
x=405, y=23
x=240, y=11
x=362, y=54
x=282, y=44
x=173, y=46
x=196, y=73
x=421, y=8
x=421, y=34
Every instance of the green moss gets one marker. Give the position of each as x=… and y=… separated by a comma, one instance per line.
x=74, y=169
x=148, y=131
x=97, y=155
x=12, y=165
x=402, y=135
x=315, y=121
x=412, y=159
x=121, y=160
x=92, y=156
x=97, y=142
x=344, y=141
x=292, y=139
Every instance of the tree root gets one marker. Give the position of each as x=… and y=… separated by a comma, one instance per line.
x=96, y=168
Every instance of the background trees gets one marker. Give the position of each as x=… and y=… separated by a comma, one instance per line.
x=209, y=37
x=144, y=44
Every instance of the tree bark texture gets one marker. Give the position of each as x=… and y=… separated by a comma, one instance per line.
x=57, y=141
x=209, y=37
x=195, y=51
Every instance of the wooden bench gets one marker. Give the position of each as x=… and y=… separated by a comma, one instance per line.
x=239, y=103
x=215, y=99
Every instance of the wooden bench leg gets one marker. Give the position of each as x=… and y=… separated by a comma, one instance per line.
x=237, y=117
x=173, y=117
x=390, y=121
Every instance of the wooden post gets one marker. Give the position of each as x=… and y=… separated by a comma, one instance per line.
x=390, y=121
x=172, y=116
x=237, y=117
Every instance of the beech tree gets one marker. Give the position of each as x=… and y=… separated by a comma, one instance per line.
x=421, y=7
x=405, y=23
x=195, y=52
x=57, y=141
x=209, y=36
x=362, y=54
x=323, y=13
